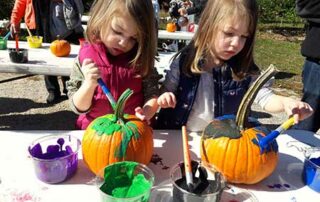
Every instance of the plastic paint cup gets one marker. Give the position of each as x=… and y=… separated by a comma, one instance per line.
x=34, y=41
x=55, y=157
x=3, y=44
x=125, y=178
x=204, y=190
x=311, y=169
x=20, y=56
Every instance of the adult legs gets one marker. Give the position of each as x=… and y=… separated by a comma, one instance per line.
x=53, y=88
x=52, y=85
x=64, y=83
x=311, y=95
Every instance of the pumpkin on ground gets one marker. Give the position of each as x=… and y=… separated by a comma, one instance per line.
x=117, y=137
x=60, y=48
x=231, y=145
x=171, y=27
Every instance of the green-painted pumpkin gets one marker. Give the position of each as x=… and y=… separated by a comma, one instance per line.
x=231, y=145
x=117, y=137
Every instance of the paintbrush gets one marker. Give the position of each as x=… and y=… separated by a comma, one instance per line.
x=29, y=32
x=186, y=158
x=16, y=37
x=7, y=36
x=264, y=142
x=107, y=93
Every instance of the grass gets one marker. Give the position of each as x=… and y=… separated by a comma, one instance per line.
x=285, y=55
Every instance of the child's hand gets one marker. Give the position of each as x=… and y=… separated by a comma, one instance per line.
x=167, y=100
x=299, y=110
x=140, y=114
x=90, y=71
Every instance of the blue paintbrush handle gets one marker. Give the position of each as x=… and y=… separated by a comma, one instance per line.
x=107, y=92
x=7, y=35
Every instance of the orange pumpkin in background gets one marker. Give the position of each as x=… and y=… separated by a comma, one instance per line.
x=231, y=145
x=171, y=27
x=60, y=48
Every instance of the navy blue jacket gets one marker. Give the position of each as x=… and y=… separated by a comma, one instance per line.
x=227, y=96
x=310, y=10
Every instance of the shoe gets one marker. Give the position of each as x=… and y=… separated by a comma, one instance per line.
x=53, y=98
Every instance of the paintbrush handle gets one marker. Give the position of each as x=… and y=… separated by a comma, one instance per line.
x=16, y=37
x=287, y=124
x=107, y=93
x=186, y=156
x=29, y=32
x=7, y=35
x=263, y=142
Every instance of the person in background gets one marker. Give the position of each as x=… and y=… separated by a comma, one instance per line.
x=209, y=77
x=121, y=51
x=156, y=10
x=50, y=19
x=310, y=49
x=193, y=8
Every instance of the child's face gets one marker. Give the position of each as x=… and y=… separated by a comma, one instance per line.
x=121, y=35
x=231, y=38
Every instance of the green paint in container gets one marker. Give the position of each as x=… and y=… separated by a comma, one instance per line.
x=125, y=181
x=3, y=43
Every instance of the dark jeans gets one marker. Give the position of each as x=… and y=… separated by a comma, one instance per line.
x=52, y=84
x=311, y=94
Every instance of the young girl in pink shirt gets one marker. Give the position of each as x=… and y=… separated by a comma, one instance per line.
x=121, y=50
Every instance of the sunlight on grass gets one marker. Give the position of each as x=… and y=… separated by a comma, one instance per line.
x=285, y=56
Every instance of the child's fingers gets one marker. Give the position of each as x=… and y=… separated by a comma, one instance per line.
x=139, y=113
x=301, y=111
x=90, y=70
x=87, y=61
x=171, y=100
x=167, y=100
x=305, y=110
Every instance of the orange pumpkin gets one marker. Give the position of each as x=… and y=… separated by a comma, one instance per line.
x=231, y=145
x=171, y=27
x=117, y=137
x=60, y=48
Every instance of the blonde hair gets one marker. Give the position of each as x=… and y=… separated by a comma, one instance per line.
x=102, y=13
x=215, y=14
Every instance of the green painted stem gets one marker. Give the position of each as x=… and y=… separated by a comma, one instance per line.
x=121, y=103
x=245, y=105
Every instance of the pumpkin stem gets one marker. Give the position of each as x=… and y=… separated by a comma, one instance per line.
x=121, y=103
x=248, y=98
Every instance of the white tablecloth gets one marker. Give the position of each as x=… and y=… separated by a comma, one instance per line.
x=18, y=178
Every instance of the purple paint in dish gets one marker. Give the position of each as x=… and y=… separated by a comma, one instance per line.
x=277, y=186
x=286, y=185
x=60, y=160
